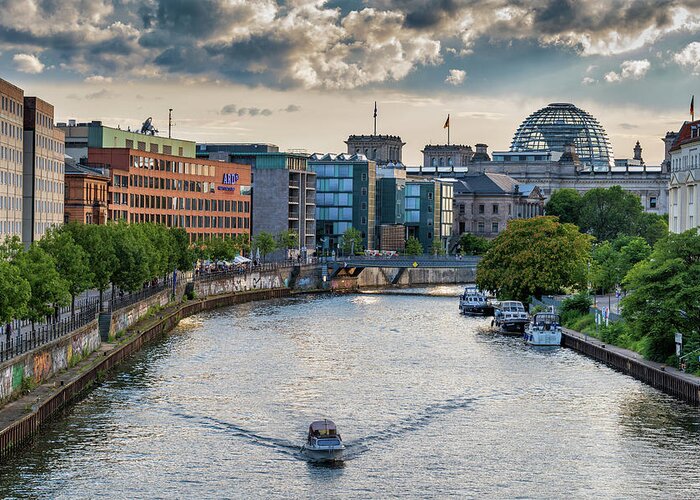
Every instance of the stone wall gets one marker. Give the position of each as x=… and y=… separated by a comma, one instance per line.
x=42, y=363
x=127, y=316
x=378, y=276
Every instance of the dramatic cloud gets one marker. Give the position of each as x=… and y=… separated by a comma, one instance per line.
x=629, y=70
x=231, y=109
x=28, y=63
x=338, y=44
x=689, y=57
x=456, y=77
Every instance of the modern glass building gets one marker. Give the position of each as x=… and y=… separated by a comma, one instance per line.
x=345, y=198
x=558, y=124
x=428, y=211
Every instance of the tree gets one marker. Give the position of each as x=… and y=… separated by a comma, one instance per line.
x=472, y=244
x=534, y=257
x=632, y=249
x=605, y=267
x=48, y=289
x=264, y=242
x=221, y=248
x=565, y=204
x=351, y=241
x=652, y=227
x=413, y=246
x=288, y=239
x=438, y=248
x=664, y=296
x=71, y=261
x=609, y=213
x=131, y=249
x=10, y=247
x=15, y=292
x=98, y=243
x=242, y=242
x=183, y=253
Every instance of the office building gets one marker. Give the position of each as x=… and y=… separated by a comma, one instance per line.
x=684, y=195
x=345, y=198
x=428, y=211
x=43, y=170
x=11, y=162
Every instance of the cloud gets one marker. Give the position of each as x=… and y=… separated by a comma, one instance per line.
x=292, y=108
x=231, y=109
x=689, y=57
x=100, y=94
x=628, y=126
x=98, y=79
x=629, y=70
x=28, y=63
x=456, y=77
x=587, y=80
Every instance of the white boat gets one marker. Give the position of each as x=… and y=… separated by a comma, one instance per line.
x=323, y=442
x=544, y=330
x=510, y=316
x=474, y=302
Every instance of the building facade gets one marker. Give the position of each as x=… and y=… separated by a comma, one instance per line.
x=345, y=198
x=43, y=170
x=445, y=157
x=484, y=203
x=11, y=159
x=685, y=173
x=428, y=211
x=382, y=149
x=86, y=195
x=206, y=198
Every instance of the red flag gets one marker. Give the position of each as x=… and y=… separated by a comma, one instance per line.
x=692, y=108
x=447, y=122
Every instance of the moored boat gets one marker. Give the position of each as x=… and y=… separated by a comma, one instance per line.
x=474, y=302
x=323, y=442
x=544, y=330
x=510, y=316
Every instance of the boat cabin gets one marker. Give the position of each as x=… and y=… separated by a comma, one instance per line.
x=546, y=321
x=323, y=428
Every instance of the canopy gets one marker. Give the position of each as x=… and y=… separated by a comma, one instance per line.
x=323, y=427
x=241, y=260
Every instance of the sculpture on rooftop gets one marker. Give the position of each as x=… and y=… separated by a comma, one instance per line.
x=148, y=128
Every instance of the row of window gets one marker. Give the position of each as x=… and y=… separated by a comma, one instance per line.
x=48, y=186
x=11, y=203
x=175, y=203
x=10, y=178
x=691, y=160
x=334, y=199
x=187, y=221
x=11, y=154
x=333, y=213
x=48, y=143
x=177, y=167
x=441, y=161
x=40, y=228
x=11, y=130
x=55, y=166
x=334, y=184
x=44, y=120
x=10, y=227
x=48, y=207
x=12, y=106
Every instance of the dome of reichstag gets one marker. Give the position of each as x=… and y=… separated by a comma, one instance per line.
x=560, y=123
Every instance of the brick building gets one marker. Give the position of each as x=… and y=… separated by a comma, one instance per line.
x=86, y=195
x=206, y=198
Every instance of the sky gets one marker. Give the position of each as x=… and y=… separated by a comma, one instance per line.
x=304, y=74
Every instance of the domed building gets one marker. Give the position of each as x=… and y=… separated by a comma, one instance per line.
x=553, y=127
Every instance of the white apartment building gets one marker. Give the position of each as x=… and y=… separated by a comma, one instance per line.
x=685, y=173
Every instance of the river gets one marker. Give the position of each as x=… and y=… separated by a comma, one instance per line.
x=430, y=404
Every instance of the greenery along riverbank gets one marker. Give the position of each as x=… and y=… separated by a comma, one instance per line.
x=621, y=248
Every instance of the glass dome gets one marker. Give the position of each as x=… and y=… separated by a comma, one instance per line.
x=560, y=123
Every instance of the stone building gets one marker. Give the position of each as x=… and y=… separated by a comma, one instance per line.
x=11, y=152
x=382, y=149
x=684, y=195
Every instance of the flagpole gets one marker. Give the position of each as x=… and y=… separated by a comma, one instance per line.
x=375, y=117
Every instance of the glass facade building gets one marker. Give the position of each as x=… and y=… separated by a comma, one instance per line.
x=558, y=124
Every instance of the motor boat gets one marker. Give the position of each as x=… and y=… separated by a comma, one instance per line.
x=544, y=330
x=474, y=302
x=323, y=442
x=510, y=316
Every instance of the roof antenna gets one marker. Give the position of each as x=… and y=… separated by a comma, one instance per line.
x=170, y=122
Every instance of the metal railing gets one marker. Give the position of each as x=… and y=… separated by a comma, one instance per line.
x=48, y=332
x=214, y=274
x=122, y=299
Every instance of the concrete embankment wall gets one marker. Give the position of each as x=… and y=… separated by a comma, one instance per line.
x=13, y=435
x=40, y=364
x=667, y=382
x=387, y=276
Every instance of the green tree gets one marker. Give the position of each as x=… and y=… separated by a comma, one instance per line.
x=242, y=242
x=98, y=243
x=288, y=240
x=652, y=227
x=605, y=267
x=183, y=252
x=565, y=204
x=72, y=262
x=265, y=242
x=351, y=240
x=472, y=244
x=609, y=213
x=632, y=249
x=221, y=248
x=413, y=246
x=438, y=248
x=10, y=247
x=535, y=257
x=131, y=249
x=664, y=296
x=15, y=292
x=48, y=289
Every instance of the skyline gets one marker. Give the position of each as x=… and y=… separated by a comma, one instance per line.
x=631, y=64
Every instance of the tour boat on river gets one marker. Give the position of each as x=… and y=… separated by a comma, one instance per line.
x=510, y=316
x=474, y=302
x=544, y=330
x=323, y=442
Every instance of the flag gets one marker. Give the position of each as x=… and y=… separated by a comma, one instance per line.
x=692, y=107
x=447, y=122
x=375, y=109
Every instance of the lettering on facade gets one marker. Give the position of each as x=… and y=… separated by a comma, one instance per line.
x=230, y=179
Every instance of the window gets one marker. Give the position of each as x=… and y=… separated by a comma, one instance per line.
x=494, y=227
x=461, y=209
x=430, y=196
x=495, y=209
x=480, y=227
x=364, y=191
x=364, y=176
x=481, y=209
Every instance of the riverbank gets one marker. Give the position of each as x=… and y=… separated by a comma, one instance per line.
x=24, y=417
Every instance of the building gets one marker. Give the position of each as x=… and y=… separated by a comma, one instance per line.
x=284, y=190
x=484, y=203
x=444, y=157
x=86, y=194
x=206, y=198
x=685, y=173
x=43, y=170
x=382, y=149
x=345, y=198
x=428, y=211
x=81, y=136
x=562, y=146
x=11, y=159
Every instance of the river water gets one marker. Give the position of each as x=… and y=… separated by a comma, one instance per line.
x=430, y=404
